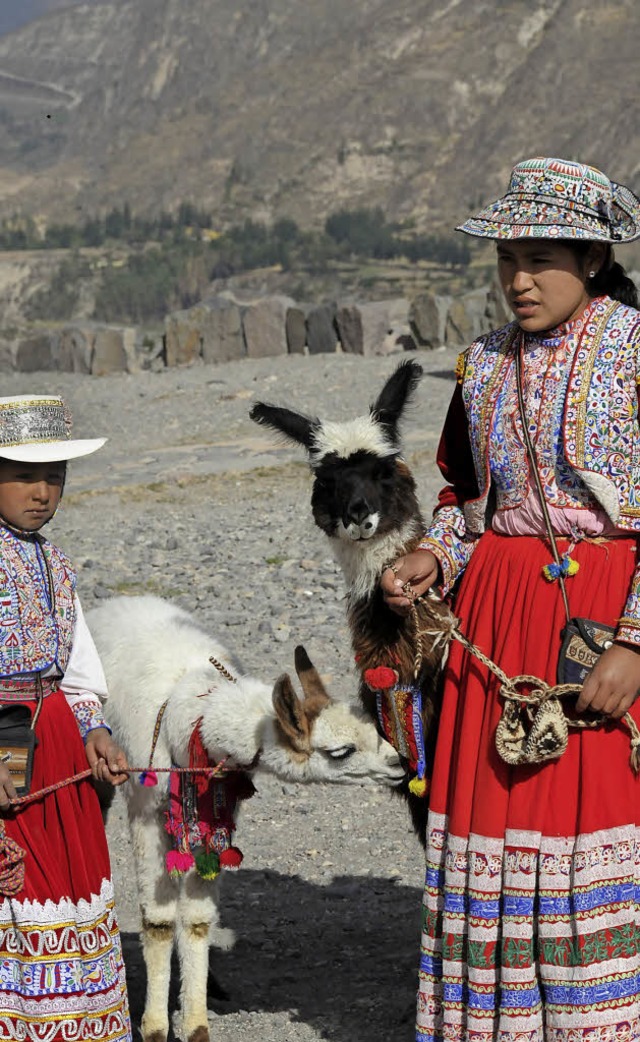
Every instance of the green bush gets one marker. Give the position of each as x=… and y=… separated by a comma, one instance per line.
x=59, y=300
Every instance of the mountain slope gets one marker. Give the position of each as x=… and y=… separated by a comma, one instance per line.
x=269, y=107
x=14, y=13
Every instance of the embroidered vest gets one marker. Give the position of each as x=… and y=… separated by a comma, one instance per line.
x=32, y=636
x=600, y=427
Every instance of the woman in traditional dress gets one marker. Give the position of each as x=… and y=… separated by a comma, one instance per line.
x=531, y=925
x=61, y=970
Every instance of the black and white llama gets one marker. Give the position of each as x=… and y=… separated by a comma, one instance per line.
x=364, y=499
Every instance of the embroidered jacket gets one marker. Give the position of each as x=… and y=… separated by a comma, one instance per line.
x=598, y=437
x=32, y=636
x=37, y=635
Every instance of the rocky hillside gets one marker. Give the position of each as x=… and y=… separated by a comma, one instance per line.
x=266, y=108
x=14, y=13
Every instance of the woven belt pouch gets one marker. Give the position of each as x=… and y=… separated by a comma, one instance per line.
x=583, y=641
x=17, y=745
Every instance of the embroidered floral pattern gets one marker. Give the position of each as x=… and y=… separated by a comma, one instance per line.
x=63, y=964
x=586, y=371
x=447, y=540
x=89, y=716
x=545, y=374
x=31, y=637
x=505, y=921
x=600, y=431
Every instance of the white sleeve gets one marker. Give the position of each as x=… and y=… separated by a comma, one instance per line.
x=84, y=677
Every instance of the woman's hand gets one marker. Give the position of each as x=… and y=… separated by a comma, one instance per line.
x=107, y=761
x=7, y=788
x=612, y=685
x=420, y=570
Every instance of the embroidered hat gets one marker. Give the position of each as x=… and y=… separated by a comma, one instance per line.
x=559, y=199
x=37, y=429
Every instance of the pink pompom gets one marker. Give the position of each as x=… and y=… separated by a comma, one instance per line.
x=231, y=858
x=148, y=778
x=178, y=862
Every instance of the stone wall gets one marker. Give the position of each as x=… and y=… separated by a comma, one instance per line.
x=225, y=328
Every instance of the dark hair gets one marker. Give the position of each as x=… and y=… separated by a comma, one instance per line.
x=611, y=280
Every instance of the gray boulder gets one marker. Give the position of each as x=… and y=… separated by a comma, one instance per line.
x=497, y=312
x=322, y=336
x=210, y=330
x=73, y=348
x=183, y=337
x=385, y=326
x=222, y=337
x=33, y=353
x=114, y=351
x=6, y=356
x=296, y=330
x=349, y=326
x=467, y=318
x=264, y=325
x=428, y=319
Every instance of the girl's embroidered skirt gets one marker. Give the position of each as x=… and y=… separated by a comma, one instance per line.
x=531, y=915
x=61, y=970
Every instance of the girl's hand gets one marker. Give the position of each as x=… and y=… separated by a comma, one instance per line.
x=107, y=761
x=420, y=569
x=7, y=788
x=612, y=685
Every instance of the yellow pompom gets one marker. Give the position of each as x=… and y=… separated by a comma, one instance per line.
x=418, y=786
x=573, y=566
x=461, y=363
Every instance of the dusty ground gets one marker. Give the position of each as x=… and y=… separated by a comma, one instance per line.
x=192, y=501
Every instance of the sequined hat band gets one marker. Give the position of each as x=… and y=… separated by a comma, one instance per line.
x=38, y=430
x=33, y=420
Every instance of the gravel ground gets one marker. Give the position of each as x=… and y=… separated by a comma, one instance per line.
x=192, y=501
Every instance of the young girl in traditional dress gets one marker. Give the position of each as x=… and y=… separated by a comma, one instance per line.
x=531, y=925
x=61, y=971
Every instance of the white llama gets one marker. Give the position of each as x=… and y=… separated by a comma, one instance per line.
x=154, y=652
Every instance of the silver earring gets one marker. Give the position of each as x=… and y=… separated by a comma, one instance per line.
x=592, y=274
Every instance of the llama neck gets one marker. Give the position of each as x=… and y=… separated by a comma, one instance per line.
x=362, y=562
x=234, y=723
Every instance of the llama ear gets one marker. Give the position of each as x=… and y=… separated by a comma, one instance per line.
x=315, y=695
x=290, y=713
x=294, y=425
x=396, y=393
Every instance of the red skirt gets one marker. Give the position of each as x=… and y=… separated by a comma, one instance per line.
x=531, y=906
x=61, y=969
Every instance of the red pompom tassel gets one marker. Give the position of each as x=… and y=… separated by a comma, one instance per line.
x=148, y=779
x=381, y=678
x=231, y=858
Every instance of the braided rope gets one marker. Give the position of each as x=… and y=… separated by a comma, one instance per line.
x=222, y=670
x=448, y=629
x=216, y=770
x=12, y=855
x=11, y=864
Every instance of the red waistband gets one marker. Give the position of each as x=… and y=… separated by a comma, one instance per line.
x=26, y=688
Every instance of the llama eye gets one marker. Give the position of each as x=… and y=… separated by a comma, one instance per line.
x=341, y=752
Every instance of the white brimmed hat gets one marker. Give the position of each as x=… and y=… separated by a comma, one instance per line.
x=37, y=429
x=559, y=199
